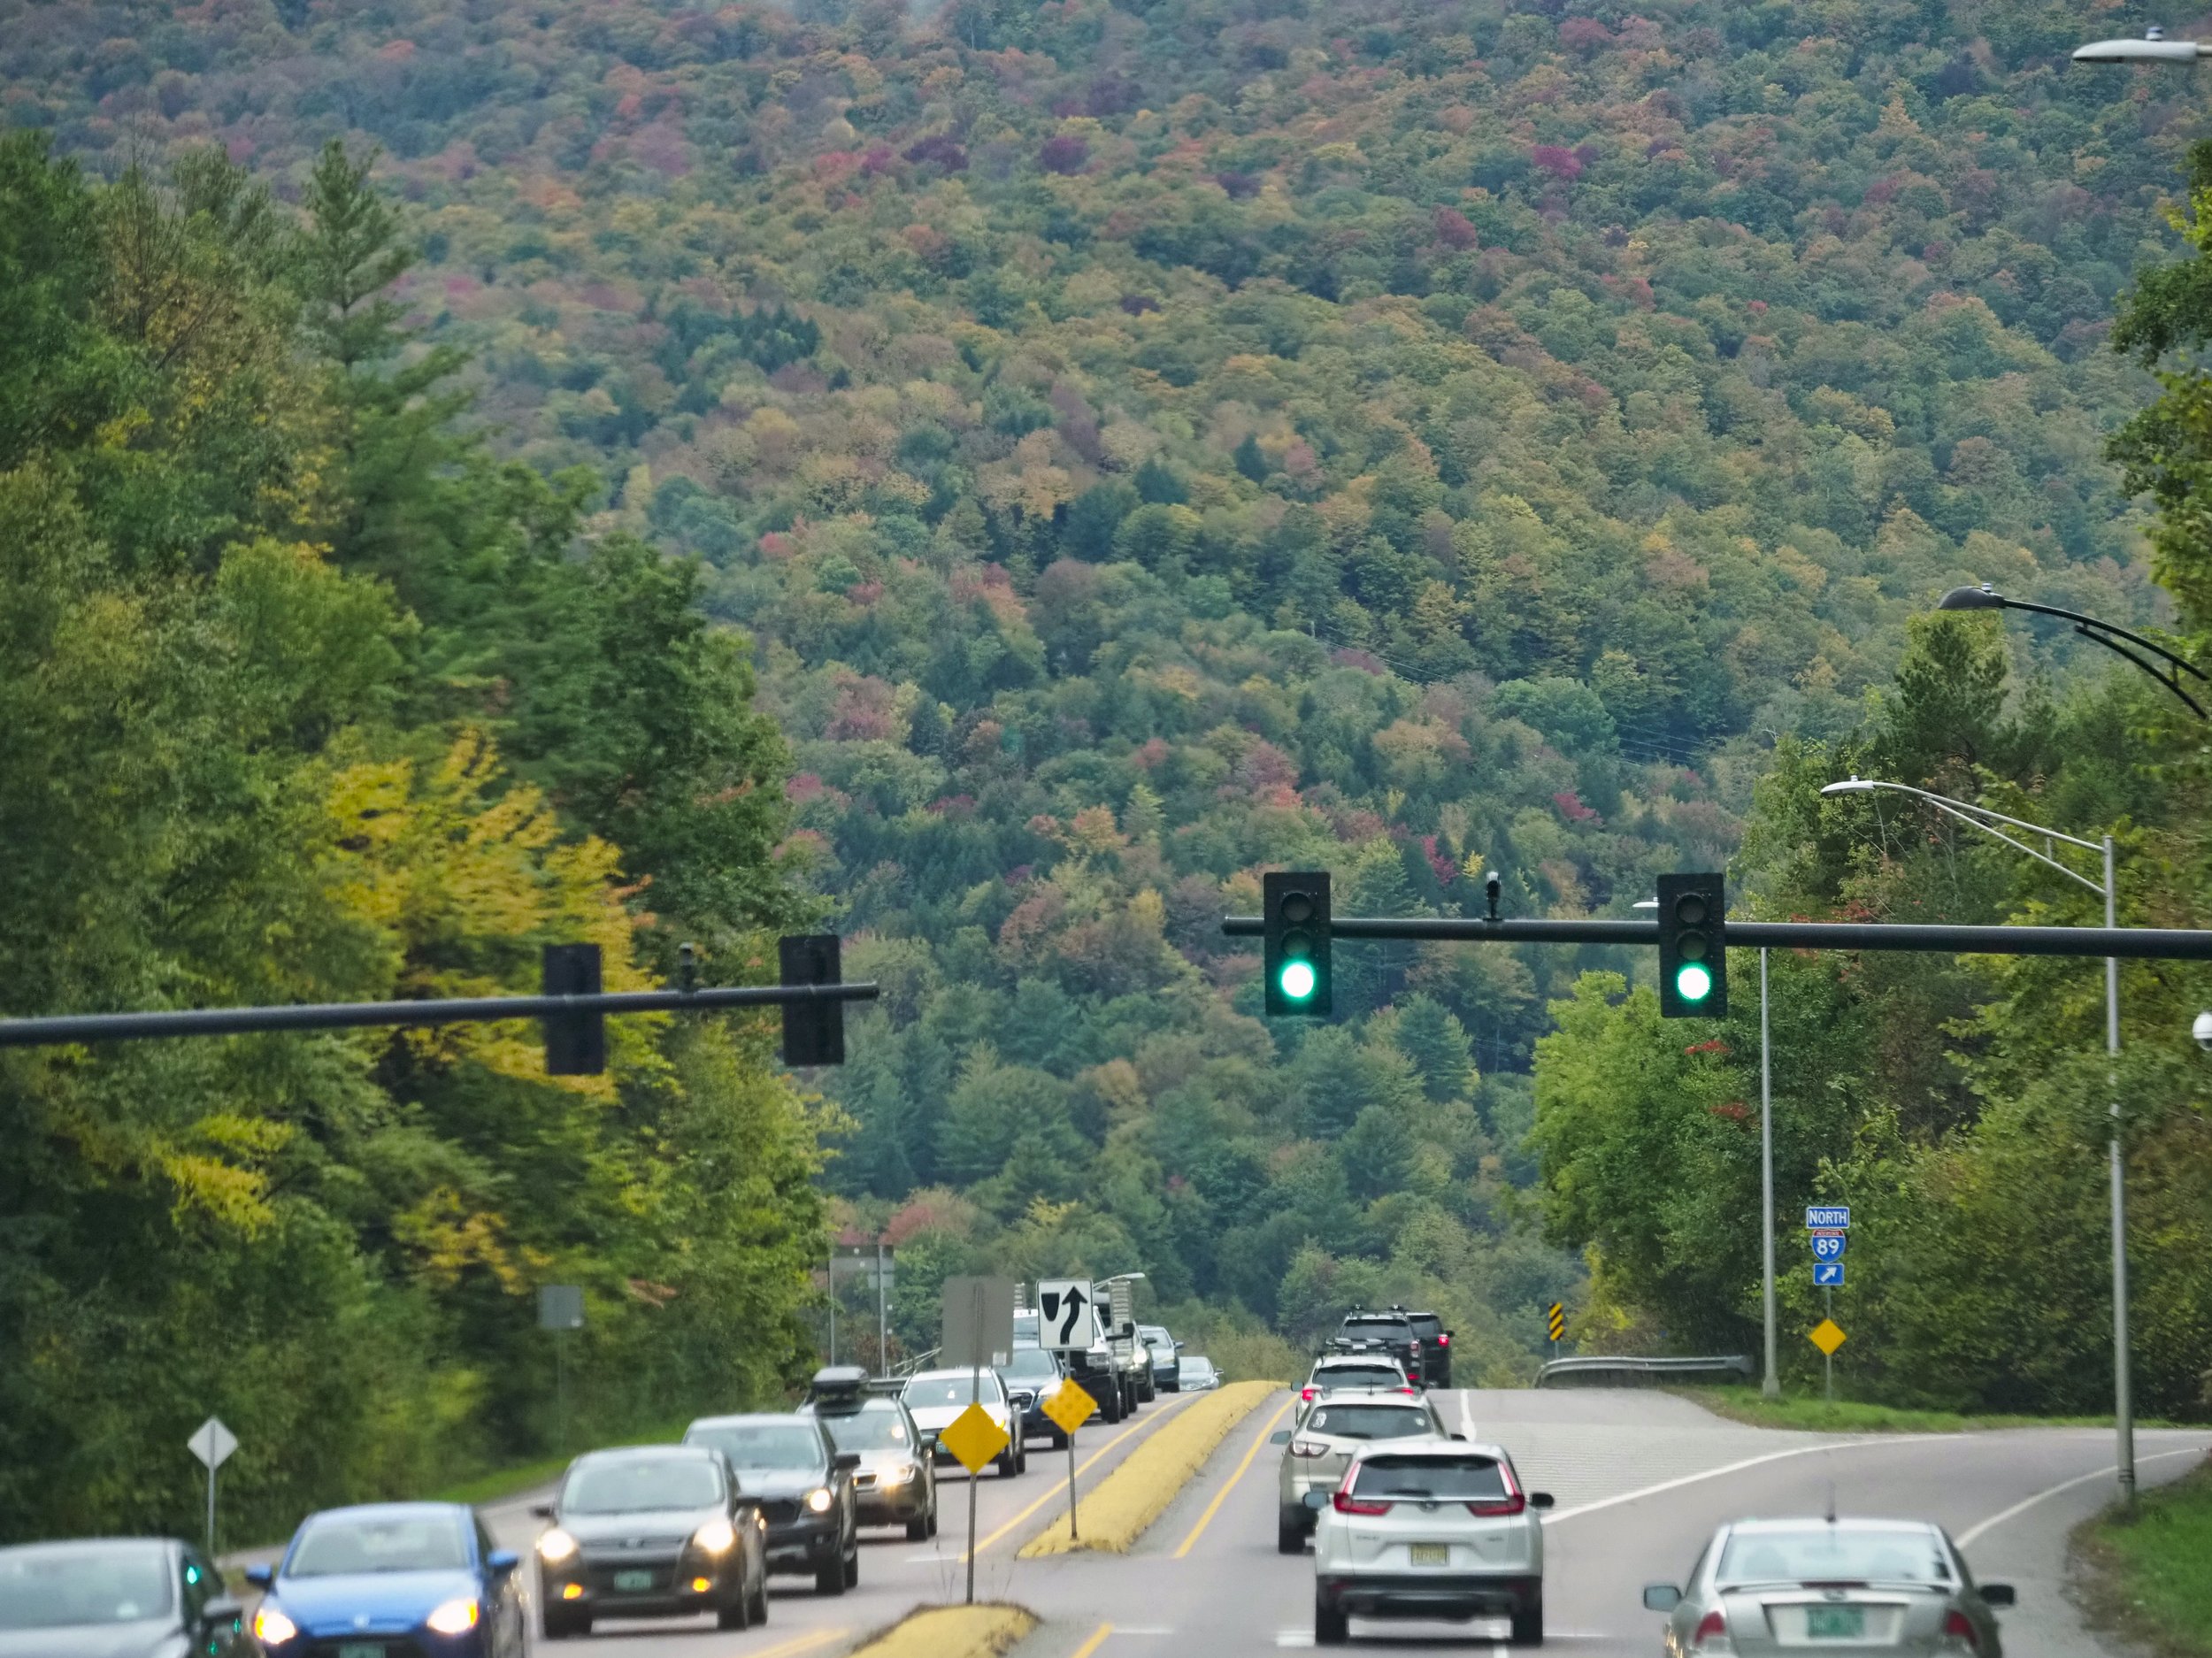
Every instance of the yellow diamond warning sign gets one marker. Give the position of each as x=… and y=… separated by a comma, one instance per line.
x=974, y=1439
x=1070, y=1407
x=1827, y=1335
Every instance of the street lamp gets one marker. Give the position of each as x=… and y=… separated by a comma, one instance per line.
x=2154, y=48
x=1988, y=598
x=1983, y=818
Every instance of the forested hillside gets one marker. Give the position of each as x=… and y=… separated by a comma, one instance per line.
x=1152, y=443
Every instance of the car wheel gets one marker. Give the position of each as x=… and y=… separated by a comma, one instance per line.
x=1290, y=1532
x=918, y=1529
x=852, y=1564
x=553, y=1623
x=1331, y=1627
x=1008, y=1463
x=760, y=1599
x=1528, y=1624
x=737, y=1614
x=932, y=1516
x=829, y=1576
x=1057, y=1440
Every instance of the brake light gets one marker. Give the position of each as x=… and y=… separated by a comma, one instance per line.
x=1308, y=1447
x=1444, y=1340
x=1515, y=1504
x=1408, y=1392
x=1958, y=1627
x=1347, y=1503
x=1307, y=1393
x=1712, y=1627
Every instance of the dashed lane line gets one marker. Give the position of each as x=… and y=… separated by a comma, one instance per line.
x=1097, y=1639
x=1060, y=1489
x=803, y=1643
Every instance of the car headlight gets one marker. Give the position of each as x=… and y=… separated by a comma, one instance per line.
x=555, y=1547
x=271, y=1628
x=820, y=1499
x=897, y=1474
x=716, y=1537
x=455, y=1617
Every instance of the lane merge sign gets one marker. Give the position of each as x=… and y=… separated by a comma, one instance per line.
x=1832, y=1218
x=1829, y=1246
x=1065, y=1322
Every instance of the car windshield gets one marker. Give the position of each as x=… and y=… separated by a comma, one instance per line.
x=1030, y=1364
x=1448, y=1478
x=340, y=1546
x=92, y=1583
x=925, y=1391
x=1359, y=1376
x=785, y=1445
x=1833, y=1554
x=881, y=1429
x=633, y=1485
x=1370, y=1421
x=1195, y=1367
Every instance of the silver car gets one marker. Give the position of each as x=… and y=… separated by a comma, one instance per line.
x=1841, y=1587
x=1328, y=1433
x=1334, y=1372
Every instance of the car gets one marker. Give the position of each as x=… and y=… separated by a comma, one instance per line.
x=651, y=1531
x=1429, y=1529
x=896, y=1481
x=1162, y=1347
x=1840, y=1585
x=1032, y=1376
x=117, y=1597
x=1354, y=1373
x=1195, y=1373
x=1094, y=1367
x=792, y=1467
x=1389, y=1331
x=936, y=1398
x=1328, y=1434
x=1436, y=1348
x=421, y=1576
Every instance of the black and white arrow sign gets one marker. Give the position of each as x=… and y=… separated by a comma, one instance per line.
x=1063, y=1323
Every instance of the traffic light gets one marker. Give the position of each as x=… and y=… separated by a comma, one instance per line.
x=1693, y=947
x=813, y=1031
x=575, y=1043
x=1295, y=959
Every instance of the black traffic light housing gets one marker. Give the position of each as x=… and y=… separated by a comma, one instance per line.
x=813, y=1031
x=1295, y=957
x=1693, y=947
x=575, y=1043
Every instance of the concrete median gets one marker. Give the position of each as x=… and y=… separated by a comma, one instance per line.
x=951, y=1631
x=1115, y=1512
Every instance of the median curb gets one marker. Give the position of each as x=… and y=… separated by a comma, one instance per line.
x=951, y=1631
x=1118, y=1509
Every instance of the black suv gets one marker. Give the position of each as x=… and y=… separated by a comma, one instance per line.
x=804, y=1486
x=1390, y=1332
x=1436, y=1348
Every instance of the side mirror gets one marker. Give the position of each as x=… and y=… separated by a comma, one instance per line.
x=1461, y=1437
x=929, y=1439
x=1539, y=1500
x=541, y=1510
x=1318, y=1500
x=261, y=1577
x=1661, y=1597
x=847, y=1461
x=1280, y=1436
x=502, y=1560
x=1999, y=1594
x=1179, y=1346
x=222, y=1613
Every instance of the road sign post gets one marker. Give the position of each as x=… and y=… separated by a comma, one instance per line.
x=1070, y=1407
x=561, y=1311
x=212, y=1443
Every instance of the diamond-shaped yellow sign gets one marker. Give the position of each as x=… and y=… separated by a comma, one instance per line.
x=973, y=1437
x=1827, y=1335
x=1070, y=1407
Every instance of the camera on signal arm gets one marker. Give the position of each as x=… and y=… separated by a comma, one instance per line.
x=2202, y=1031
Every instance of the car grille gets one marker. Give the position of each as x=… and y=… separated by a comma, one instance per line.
x=865, y=1480
x=779, y=1510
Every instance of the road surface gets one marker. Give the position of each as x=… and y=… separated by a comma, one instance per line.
x=1641, y=1477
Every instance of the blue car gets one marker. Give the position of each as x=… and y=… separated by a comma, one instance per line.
x=388, y=1579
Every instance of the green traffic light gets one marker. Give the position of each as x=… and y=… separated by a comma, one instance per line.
x=1693, y=982
x=1296, y=980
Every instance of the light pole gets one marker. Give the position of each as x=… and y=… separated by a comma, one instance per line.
x=1983, y=818
x=1985, y=597
x=2154, y=48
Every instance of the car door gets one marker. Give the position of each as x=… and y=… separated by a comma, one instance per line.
x=199, y=1586
x=502, y=1598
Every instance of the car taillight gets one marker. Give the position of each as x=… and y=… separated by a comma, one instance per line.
x=1712, y=1627
x=1515, y=1504
x=1308, y=1392
x=1959, y=1628
x=1444, y=1340
x=1347, y=1503
x=1408, y=1392
x=1308, y=1447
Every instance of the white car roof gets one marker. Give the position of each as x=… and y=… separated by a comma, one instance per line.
x=1437, y=1448
x=961, y=1375
x=1814, y=1522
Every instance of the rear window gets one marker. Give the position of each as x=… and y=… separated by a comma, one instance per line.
x=1426, y=1325
x=1828, y=1553
x=1445, y=1478
x=1370, y=1421
x=1359, y=1376
x=1378, y=1328
x=926, y=1391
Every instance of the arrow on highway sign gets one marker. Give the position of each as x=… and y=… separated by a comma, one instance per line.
x=1827, y=1335
x=1070, y=1407
x=1834, y=1216
x=1828, y=1246
x=1060, y=1304
x=212, y=1443
x=974, y=1439
x=1828, y=1275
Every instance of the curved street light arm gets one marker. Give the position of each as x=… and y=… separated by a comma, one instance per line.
x=2171, y=681
x=1940, y=803
x=1973, y=816
x=2107, y=633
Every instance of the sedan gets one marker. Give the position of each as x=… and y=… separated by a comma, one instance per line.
x=1429, y=1530
x=651, y=1531
x=391, y=1576
x=116, y=1596
x=1195, y=1373
x=1842, y=1586
x=938, y=1399
x=1330, y=1432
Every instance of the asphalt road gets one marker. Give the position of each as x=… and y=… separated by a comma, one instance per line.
x=1641, y=1478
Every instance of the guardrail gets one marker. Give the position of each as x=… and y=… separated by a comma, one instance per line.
x=1594, y=1370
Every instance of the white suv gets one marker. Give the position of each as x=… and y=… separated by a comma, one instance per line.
x=1329, y=1433
x=1429, y=1530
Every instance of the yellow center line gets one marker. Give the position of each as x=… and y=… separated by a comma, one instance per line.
x=817, y=1637
x=1214, y=1507
x=1058, y=1489
x=1097, y=1639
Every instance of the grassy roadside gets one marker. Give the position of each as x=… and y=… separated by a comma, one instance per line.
x=952, y=1631
x=1744, y=1404
x=2150, y=1577
x=495, y=1483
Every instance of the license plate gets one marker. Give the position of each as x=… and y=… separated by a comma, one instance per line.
x=632, y=1582
x=361, y=1649
x=1835, y=1623
x=1431, y=1554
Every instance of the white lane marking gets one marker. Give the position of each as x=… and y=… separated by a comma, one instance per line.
x=1467, y=1412
x=1967, y=1537
x=1556, y=1516
x=1294, y=1638
x=1137, y=1629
